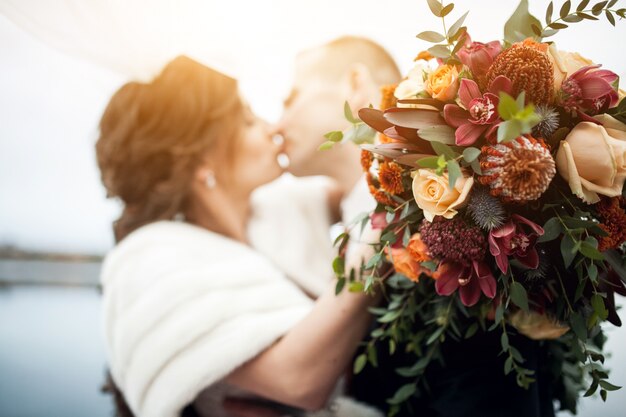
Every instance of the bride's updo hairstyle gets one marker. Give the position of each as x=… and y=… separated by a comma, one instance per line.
x=153, y=136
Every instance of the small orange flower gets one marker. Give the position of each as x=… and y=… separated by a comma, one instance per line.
x=424, y=55
x=418, y=249
x=366, y=160
x=388, y=100
x=390, y=177
x=541, y=47
x=404, y=263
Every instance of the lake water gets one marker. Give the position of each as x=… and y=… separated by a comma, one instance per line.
x=52, y=357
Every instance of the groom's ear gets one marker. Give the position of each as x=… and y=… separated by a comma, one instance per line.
x=359, y=85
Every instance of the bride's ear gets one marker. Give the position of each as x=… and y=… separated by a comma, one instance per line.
x=360, y=86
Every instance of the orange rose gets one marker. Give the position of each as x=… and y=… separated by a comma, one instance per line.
x=404, y=263
x=418, y=249
x=443, y=83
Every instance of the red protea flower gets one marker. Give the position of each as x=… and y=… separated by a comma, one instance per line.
x=470, y=279
x=520, y=170
x=514, y=239
x=589, y=90
x=480, y=113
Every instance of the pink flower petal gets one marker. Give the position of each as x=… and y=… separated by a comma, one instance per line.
x=593, y=88
x=468, y=133
x=536, y=228
x=485, y=279
x=468, y=91
x=502, y=260
x=454, y=115
x=470, y=293
x=448, y=280
x=501, y=84
x=506, y=229
x=579, y=74
x=531, y=259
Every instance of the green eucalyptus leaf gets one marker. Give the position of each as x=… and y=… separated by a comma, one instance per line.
x=429, y=162
x=430, y=36
x=359, y=363
x=565, y=8
x=440, y=133
x=507, y=107
x=597, y=9
x=339, y=266
x=443, y=149
x=347, y=112
x=439, y=51
x=435, y=7
x=520, y=23
x=568, y=250
x=582, y=5
x=341, y=282
x=609, y=17
x=334, y=136
x=454, y=172
x=578, y=325
x=452, y=32
x=403, y=393
x=549, y=12
x=608, y=386
x=519, y=295
x=509, y=130
x=471, y=154
x=597, y=302
x=552, y=229
x=558, y=25
x=447, y=9
x=326, y=145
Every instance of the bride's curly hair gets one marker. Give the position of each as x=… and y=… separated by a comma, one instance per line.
x=154, y=135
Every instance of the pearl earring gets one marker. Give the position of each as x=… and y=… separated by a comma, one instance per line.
x=210, y=180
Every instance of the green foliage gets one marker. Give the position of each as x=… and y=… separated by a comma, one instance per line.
x=519, y=119
x=619, y=111
x=520, y=24
x=359, y=133
x=567, y=15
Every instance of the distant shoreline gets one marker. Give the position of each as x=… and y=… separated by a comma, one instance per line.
x=13, y=253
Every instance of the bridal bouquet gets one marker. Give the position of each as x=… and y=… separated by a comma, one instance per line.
x=499, y=176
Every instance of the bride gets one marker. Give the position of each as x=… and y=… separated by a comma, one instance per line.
x=190, y=308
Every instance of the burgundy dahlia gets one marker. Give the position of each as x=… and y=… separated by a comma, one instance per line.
x=453, y=240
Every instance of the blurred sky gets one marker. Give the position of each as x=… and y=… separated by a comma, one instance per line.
x=61, y=61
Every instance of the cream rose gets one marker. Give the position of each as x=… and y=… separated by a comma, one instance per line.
x=592, y=159
x=537, y=326
x=435, y=198
x=565, y=64
x=414, y=83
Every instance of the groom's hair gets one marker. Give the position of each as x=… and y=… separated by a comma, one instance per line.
x=332, y=60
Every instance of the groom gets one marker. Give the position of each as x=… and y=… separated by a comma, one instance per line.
x=351, y=69
x=472, y=383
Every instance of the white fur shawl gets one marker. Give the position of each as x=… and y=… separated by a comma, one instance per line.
x=183, y=307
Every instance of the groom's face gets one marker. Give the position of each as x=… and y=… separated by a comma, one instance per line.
x=313, y=108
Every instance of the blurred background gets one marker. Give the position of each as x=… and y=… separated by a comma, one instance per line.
x=61, y=60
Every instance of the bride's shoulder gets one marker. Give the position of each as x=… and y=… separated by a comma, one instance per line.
x=174, y=244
